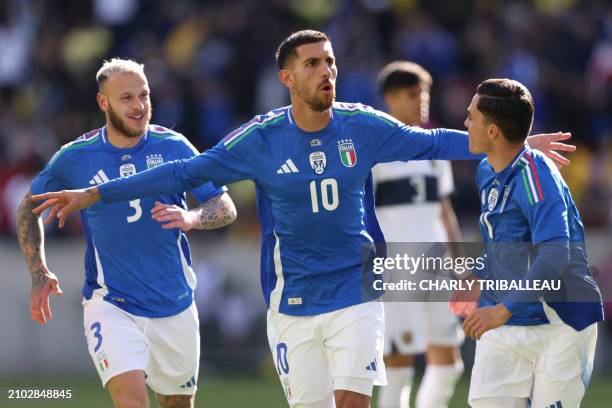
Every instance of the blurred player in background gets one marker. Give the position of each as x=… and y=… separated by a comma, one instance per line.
x=311, y=163
x=413, y=205
x=141, y=323
x=534, y=346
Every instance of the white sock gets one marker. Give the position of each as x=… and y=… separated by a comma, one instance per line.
x=396, y=394
x=438, y=385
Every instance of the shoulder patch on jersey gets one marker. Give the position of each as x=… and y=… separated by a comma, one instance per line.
x=84, y=140
x=351, y=109
x=161, y=132
x=87, y=136
x=531, y=180
x=258, y=122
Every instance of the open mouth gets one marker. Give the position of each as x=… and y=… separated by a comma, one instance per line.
x=327, y=87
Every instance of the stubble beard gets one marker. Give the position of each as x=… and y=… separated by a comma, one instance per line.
x=315, y=102
x=120, y=125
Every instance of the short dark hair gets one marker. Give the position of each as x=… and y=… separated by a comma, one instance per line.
x=402, y=74
x=286, y=50
x=509, y=105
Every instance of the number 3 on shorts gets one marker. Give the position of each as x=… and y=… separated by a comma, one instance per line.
x=281, y=358
x=96, y=327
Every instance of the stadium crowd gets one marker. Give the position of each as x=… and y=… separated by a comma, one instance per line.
x=210, y=66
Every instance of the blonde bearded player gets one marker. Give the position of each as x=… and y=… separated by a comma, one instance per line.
x=311, y=162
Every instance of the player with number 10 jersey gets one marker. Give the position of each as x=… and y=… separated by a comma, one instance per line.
x=314, y=195
x=311, y=164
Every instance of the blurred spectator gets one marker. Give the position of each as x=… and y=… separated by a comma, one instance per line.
x=211, y=68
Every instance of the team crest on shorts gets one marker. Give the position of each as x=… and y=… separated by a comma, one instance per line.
x=318, y=161
x=348, y=155
x=154, y=160
x=492, y=200
x=102, y=360
x=127, y=170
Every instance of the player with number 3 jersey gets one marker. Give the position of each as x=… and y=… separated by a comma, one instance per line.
x=141, y=323
x=311, y=164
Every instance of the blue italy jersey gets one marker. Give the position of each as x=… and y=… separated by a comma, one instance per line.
x=314, y=195
x=533, y=232
x=130, y=261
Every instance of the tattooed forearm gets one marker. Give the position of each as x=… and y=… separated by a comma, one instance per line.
x=215, y=213
x=31, y=239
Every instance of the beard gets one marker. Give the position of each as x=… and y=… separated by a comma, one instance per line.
x=316, y=102
x=123, y=127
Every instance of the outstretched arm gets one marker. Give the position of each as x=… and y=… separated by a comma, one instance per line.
x=216, y=212
x=62, y=203
x=410, y=143
x=219, y=165
x=30, y=235
x=549, y=144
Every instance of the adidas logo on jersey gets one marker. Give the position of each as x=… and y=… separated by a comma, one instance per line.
x=287, y=167
x=99, y=178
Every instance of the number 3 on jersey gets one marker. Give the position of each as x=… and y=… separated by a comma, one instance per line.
x=329, y=195
x=135, y=204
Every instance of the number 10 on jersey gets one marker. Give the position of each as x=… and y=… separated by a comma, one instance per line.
x=329, y=194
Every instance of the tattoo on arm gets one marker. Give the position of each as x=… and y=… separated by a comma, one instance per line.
x=215, y=213
x=30, y=235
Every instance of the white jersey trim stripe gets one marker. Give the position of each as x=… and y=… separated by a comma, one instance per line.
x=485, y=221
x=277, y=293
x=520, y=157
x=100, y=280
x=190, y=276
x=534, y=193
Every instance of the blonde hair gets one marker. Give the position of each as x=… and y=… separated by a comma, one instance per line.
x=115, y=66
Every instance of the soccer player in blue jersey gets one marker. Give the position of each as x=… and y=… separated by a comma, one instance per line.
x=310, y=163
x=141, y=323
x=533, y=346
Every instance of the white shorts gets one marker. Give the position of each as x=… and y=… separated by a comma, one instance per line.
x=315, y=355
x=167, y=349
x=411, y=326
x=551, y=364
